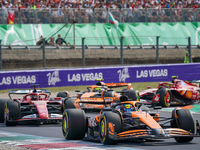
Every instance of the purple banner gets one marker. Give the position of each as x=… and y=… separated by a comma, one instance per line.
x=87, y=76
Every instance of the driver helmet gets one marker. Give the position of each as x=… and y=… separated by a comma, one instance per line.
x=34, y=97
x=96, y=89
x=125, y=108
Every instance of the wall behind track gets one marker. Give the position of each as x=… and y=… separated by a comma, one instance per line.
x=87, y=76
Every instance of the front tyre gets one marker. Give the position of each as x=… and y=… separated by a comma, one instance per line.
x=184, y=121
x=2, y=103
x=74, y=124
x=108, y=119
x=11, y=113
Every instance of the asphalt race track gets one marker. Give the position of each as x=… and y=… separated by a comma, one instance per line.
x=49, y=136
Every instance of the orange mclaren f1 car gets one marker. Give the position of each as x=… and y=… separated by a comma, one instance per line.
x=98, y=96
x=128, y=120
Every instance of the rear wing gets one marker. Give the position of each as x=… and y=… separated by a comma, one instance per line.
x=115, y=85
x=24, y=92
x=196, y=82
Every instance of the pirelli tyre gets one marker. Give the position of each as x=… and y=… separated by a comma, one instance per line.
x=131, y=94
x=110, y=123
x=165, y=97
x=74, y=124
x=2, y=103
x=62, y=94
x=68, y=104
x=11, y=113
x=108, y=93
x=183, y=120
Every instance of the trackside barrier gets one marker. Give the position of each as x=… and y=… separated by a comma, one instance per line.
x=87, y=76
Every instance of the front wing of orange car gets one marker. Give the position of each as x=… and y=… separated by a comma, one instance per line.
x=149, y=133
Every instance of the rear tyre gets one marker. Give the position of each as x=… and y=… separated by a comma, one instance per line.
x=107, y=119
x=184, y=121
x=2, y=103
x=74, y=124
x=108, y=93
x=132, y=95
x=165, y=97
x=62, y=94
x=11, y=112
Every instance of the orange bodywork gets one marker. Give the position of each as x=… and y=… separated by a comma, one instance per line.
x=150, y=128
x=187, y=107
x=135, y=133
x=96, y=100
x=175, y=131
x=144, y=116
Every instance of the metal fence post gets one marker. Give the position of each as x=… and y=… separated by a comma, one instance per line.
x=44, y=59
x=20, y=18
x=146, y=19
x=157, y=49
x=35, y=16
x=171, y=17
x=121, y=48
x=0, y=56
x=93, y=14
x=83, y=52
x=189, y=47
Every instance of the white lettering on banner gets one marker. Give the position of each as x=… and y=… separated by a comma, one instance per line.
x=123, y=74
x=84, y=77
x=18, y=80
x=53, y=78
x=152, y=73
x=23, y=79
x=142, y=74
x=6, y=81
x=75, y=77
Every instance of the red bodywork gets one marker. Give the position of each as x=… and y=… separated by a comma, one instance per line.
x=181, y=92
x=40, y=107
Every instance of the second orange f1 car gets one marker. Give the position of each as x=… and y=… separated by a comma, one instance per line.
x=98, y=96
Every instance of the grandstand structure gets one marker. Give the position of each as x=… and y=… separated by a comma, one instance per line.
x=39, y=56
x=100, y=15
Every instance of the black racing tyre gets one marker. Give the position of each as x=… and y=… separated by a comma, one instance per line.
x=109, y=93
x=74, y=124
x=132, y=95
x=106, y=118
x=62, y=94
x=185, y=121
x=2, y=103
x=165, y=97
x=11, y=112
x=68, y=104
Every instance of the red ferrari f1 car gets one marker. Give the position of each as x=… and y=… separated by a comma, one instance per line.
x=98, y=96
x=177, y=92
x=128, y=120
x=35, y=106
